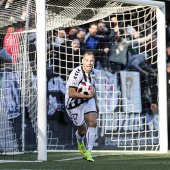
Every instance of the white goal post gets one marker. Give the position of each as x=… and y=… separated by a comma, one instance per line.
x=41, y=81
x=162, y=81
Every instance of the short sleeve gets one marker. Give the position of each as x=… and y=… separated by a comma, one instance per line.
x=73, y=81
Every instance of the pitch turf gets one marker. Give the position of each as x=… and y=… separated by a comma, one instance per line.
x=73, y=161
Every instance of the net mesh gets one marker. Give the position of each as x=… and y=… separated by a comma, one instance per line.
x=61, y=14
x=124, y=94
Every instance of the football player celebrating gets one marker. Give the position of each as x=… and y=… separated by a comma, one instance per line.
x=82, y=108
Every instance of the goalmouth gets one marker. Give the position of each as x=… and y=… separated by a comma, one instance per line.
x=126, y=122
x=160, y=10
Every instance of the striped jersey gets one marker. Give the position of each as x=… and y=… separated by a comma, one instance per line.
x=76, y=77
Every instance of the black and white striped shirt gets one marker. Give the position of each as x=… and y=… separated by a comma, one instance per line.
x=76, y=77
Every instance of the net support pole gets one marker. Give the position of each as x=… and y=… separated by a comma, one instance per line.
x=41, y=80
x=161, y=44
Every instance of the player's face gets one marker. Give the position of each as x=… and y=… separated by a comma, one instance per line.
x=88, y=63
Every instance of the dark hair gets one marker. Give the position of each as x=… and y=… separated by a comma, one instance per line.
x=82, y=29
x=73, y=28
x=93, y=23
x=113, y=15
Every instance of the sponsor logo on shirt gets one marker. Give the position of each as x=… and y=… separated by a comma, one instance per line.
x=76, y=73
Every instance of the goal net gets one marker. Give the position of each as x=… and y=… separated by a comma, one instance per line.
x=127, y=73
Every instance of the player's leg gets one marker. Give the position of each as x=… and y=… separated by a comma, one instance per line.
x=80, y=135
x=77, y=117
x=91, y=120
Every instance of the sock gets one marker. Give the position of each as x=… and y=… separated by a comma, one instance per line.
x=90, y=137
x=79, y=138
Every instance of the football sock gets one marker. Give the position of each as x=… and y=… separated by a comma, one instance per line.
x=79, y=138
x=90, y=137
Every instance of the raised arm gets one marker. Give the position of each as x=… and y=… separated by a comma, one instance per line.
x=139, y=40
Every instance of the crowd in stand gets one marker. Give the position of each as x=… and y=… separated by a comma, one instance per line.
x=116, y=45
x=113, y=50
x=10, y=49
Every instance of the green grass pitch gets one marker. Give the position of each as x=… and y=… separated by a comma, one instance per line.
x=74, y=161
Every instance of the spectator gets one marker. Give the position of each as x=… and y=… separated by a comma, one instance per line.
x=5, y=57
x=139, y=62
x=133, y=49
x=111, y=22
x=114, y=24
x=80, y=35
x=72, y=32
x=97, y=43
x=102, y=29
x=114, y=21
x=74, y=53
x=67, y=57
x=60, y=37
x=130, y=30
x=118, y=51
x=11, y=42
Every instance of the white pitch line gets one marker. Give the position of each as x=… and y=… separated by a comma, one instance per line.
x=69, y=159
x=7, y=161
x=74, y=158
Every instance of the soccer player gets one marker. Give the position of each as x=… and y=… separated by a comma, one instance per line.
x=82, y=109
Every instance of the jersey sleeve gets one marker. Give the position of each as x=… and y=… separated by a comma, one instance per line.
x=73, y=81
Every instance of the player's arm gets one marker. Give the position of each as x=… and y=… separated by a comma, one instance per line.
x=76, y=95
